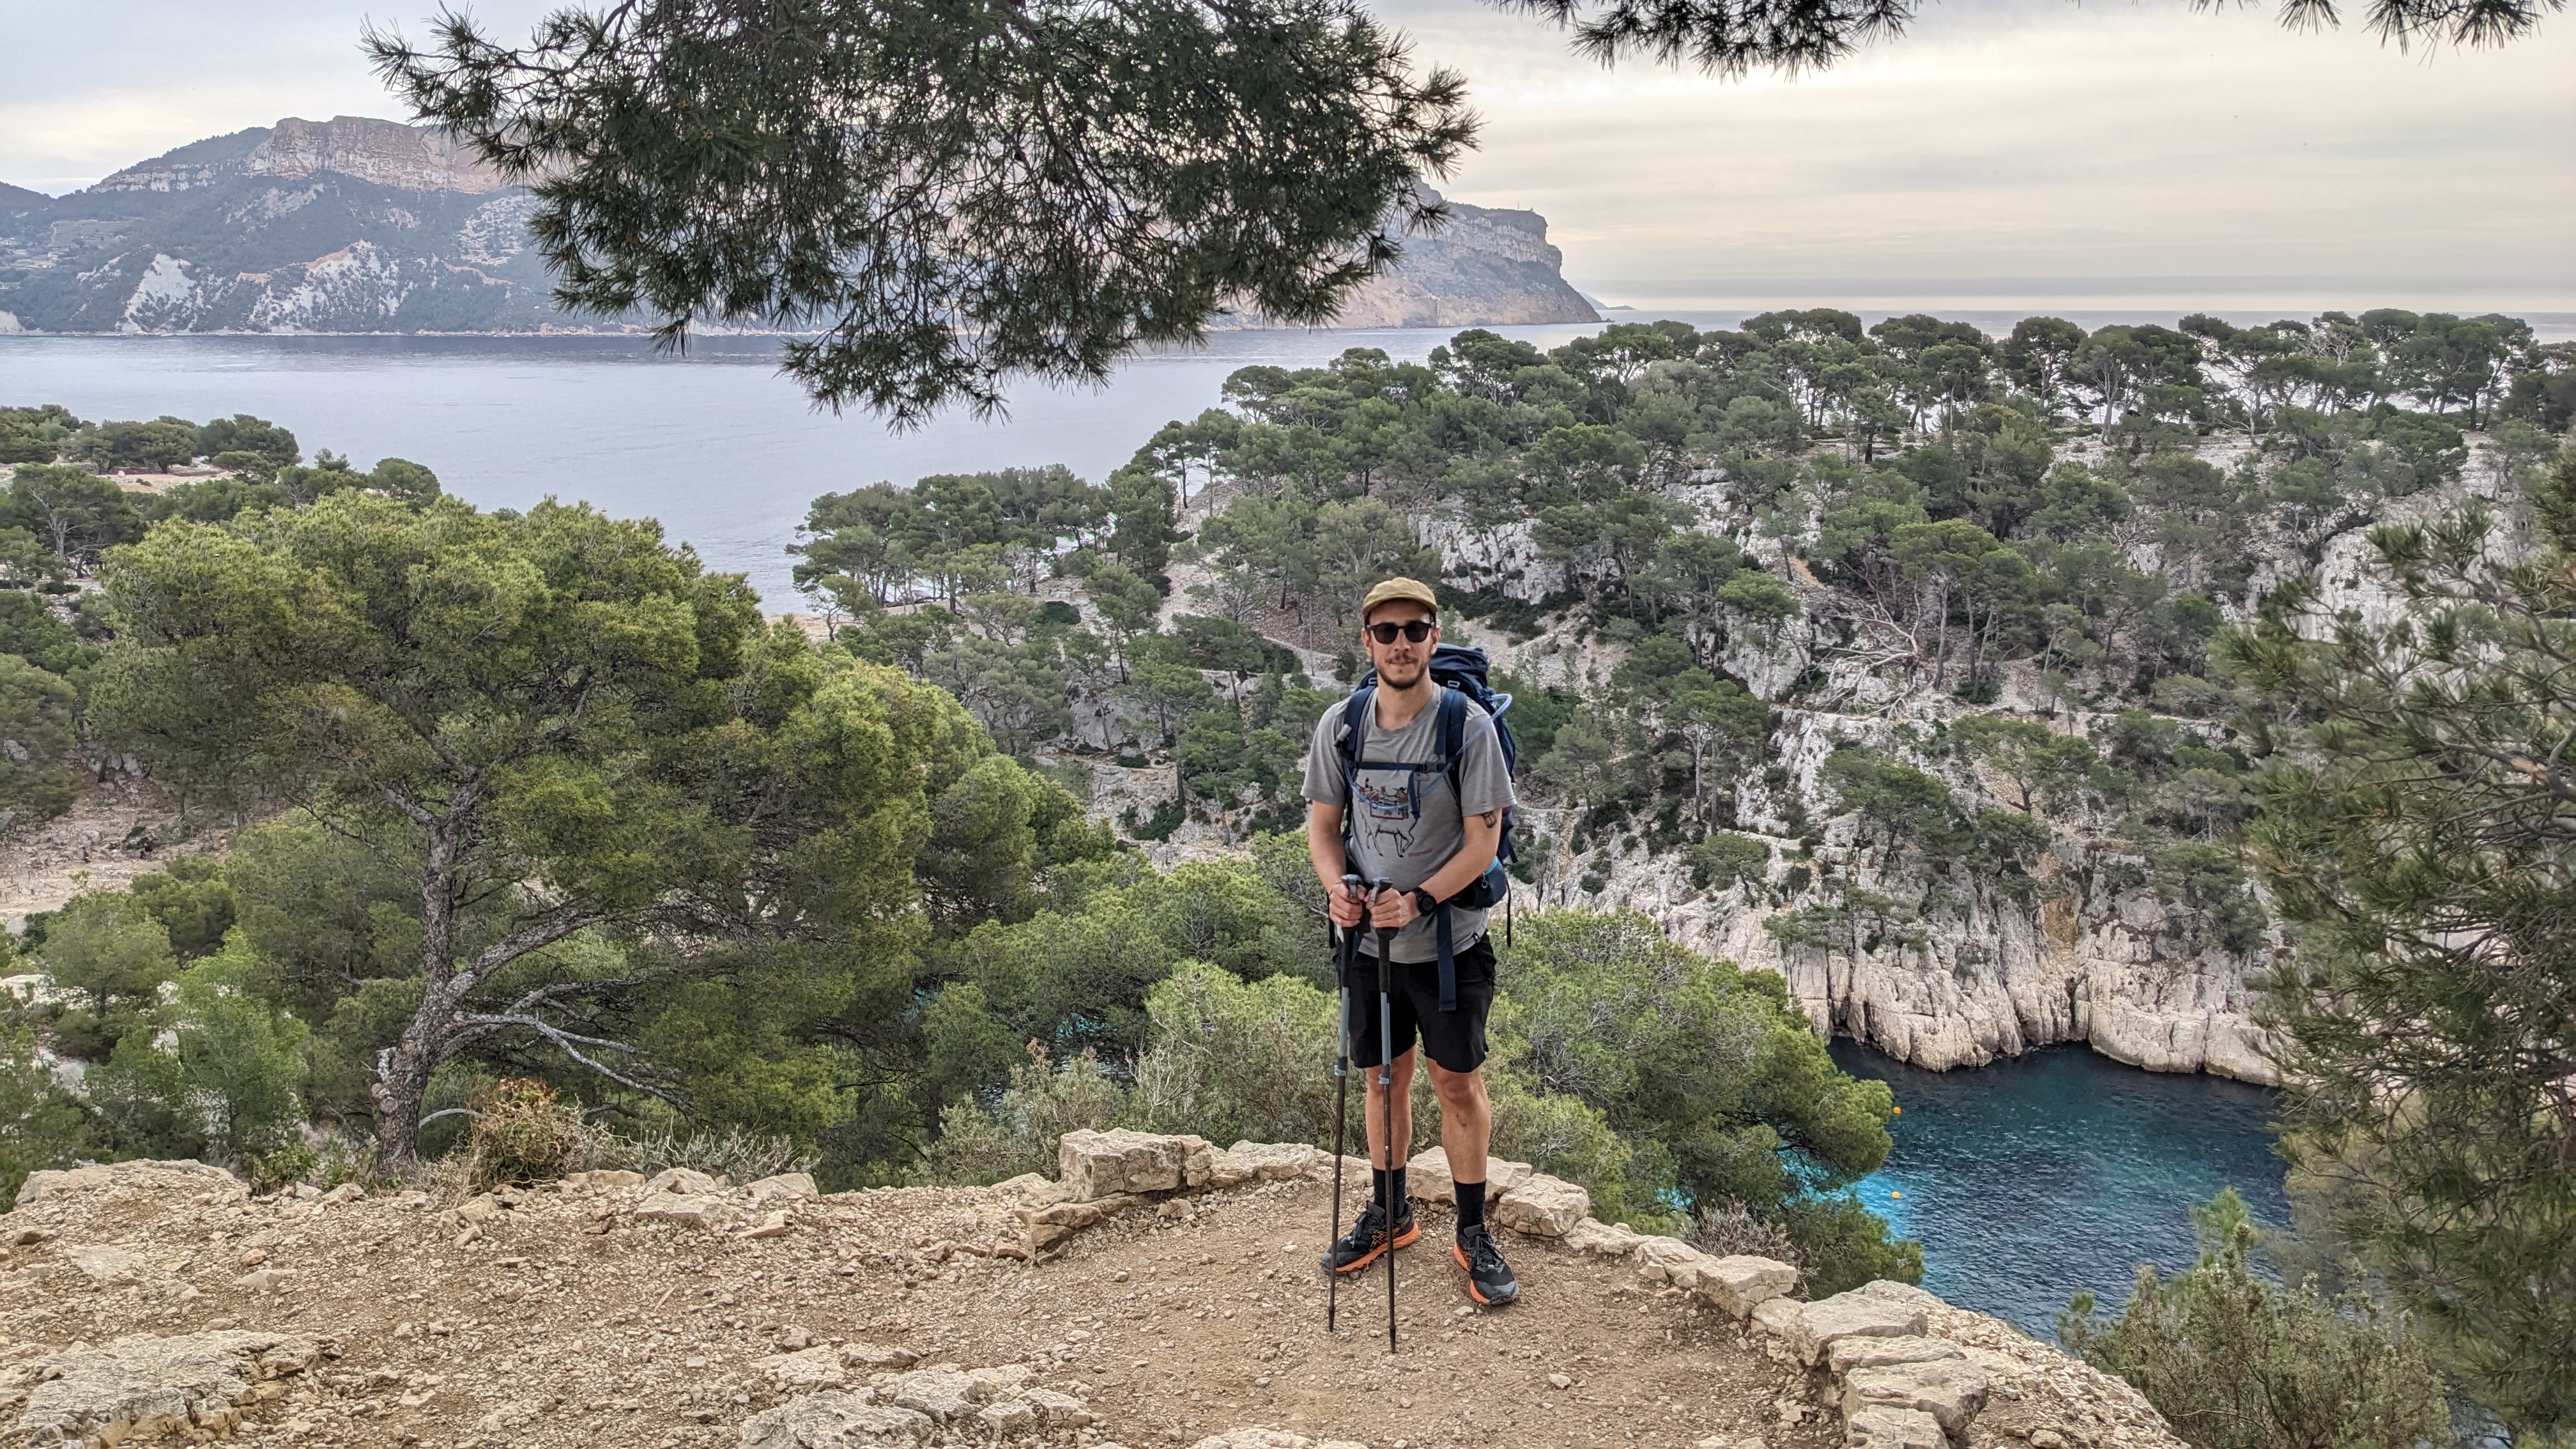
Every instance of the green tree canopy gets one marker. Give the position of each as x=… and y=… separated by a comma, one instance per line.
x=952, y=197
x=555, y=727
x=2415, y=836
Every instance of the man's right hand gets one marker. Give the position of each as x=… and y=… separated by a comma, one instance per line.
x=1346, y=907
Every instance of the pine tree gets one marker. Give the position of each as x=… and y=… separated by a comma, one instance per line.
x=2419, y=835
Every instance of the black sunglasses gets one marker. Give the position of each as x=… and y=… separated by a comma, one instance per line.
x=1413, y=630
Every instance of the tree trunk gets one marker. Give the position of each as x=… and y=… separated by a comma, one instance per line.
x=404, y=1069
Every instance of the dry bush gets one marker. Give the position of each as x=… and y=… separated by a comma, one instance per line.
x=1727, y=1229
x=523, y=1134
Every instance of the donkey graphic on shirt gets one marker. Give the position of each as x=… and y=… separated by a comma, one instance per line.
x=1388, y=820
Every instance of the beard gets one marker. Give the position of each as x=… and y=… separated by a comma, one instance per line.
x=1402, y=674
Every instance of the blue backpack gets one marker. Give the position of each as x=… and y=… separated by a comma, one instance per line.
x=1460, y=673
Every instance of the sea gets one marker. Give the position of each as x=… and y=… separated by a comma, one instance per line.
x=2039, y=1176
x=2026, y=1181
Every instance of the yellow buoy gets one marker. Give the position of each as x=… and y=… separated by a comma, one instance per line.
x=1899, y=1111
x=1896, y=1194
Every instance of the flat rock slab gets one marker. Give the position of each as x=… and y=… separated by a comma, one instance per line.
x=684, y=1182
x=1542, y=1206
x=147, y=1386
x=1104, y=1164
x=1882, y=1427
x=785, y=1187
x=1846, y=1354
x=1950, y=1390
x=942, y=1392
x=139, y=1175
x=1740, y=1282
x=1856, y=1314
x=686, y=1210
x=833, y=1421
x=104, y=1264
x=1611, y=1240
x=1426, y=1176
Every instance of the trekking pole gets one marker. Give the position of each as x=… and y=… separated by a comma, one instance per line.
x=1349, y=948
x=1386, y=1096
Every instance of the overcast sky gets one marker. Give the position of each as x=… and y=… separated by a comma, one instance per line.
x=2004, y=153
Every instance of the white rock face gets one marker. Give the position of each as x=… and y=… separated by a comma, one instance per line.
x=1095, y=1165
x=1951, y=1390
x=1857, y=1314
x=1541, y=1206
x=833, y=1421
x=144, y=1386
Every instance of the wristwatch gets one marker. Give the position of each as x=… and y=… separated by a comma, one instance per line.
x=1424, y=902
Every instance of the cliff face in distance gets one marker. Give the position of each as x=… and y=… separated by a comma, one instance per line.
x=349, y=225
x=360, y=225
x=1485, y=268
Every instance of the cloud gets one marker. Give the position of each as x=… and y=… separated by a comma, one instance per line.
x=2010, y=150
x=2041, y=151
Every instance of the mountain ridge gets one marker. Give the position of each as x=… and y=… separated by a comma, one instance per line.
x=361, y=225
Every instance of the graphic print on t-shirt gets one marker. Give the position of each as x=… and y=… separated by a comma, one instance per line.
x=1387, y=816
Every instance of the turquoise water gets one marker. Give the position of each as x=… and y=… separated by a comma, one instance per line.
x=2038, y=1176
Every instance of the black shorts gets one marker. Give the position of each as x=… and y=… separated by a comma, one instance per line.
x=1454, y=1039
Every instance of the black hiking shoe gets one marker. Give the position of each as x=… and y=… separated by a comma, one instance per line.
x=1367, y=1239
x=1489, y=1278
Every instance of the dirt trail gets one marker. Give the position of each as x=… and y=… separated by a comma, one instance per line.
x=567, y=1323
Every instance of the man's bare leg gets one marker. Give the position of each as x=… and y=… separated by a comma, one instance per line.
x=1379, y=1157
x=1466, y=1121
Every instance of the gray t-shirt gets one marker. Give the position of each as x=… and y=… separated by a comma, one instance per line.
x=1388, y=839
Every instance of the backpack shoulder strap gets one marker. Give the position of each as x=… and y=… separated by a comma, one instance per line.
x=1355, y=718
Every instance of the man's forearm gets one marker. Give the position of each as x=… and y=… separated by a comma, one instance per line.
x=1324, y=844
x=1484, y=837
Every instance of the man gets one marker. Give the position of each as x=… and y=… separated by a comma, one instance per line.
x=1431, y=839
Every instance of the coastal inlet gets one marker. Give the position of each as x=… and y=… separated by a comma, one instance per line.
x=2062, y=1170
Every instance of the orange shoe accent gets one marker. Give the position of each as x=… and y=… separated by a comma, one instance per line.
x=1405, y=1239
x=1460, y=1254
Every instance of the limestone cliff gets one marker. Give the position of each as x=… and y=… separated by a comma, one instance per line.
x=1484, y=268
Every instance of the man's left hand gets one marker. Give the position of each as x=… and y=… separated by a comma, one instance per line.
x=1393, y=910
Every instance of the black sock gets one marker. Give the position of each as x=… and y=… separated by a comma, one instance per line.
x=1378, y=1187
x=1397, y=1197
x=1471, y=1204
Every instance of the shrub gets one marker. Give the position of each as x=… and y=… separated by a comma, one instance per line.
x=1017, y=1133
x=1229, y=1059
x=1724, y=1229
x=1725, y=858
x=41, y=1125
x=522, y=1133
x=2235, y=1362
x=734, y=1154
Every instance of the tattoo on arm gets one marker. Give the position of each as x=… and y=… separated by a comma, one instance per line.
x=1491, y=816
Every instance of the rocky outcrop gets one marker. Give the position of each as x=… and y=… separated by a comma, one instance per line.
x=191, y=1386
x=1897, y=1364
x=931, y=1404
x=2092, y=956
x=386, y=153
x=1484, y=268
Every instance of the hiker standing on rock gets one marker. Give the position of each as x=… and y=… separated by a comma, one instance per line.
x=1409, y=782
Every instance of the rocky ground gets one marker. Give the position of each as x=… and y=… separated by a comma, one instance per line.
x=778, y=1321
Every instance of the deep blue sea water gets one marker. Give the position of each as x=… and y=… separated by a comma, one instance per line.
x=2061, y=1170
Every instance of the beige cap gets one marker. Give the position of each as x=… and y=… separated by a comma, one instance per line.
x=1391, y=590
